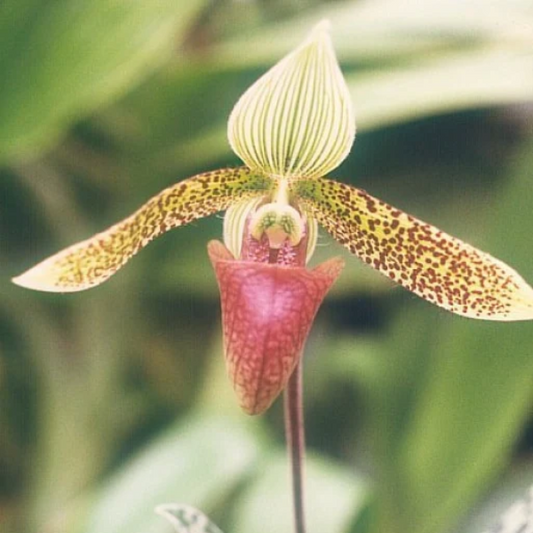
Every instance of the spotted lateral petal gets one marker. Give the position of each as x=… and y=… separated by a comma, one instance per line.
x=297, y=119
x=425, y=260
x=91, y=262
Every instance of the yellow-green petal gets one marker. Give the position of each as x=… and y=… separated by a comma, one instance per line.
x=297, y=119
x=434, y=265
x=91, y=262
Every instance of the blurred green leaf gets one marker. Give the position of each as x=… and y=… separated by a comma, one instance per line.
x=201, y=460
x=333, y=498
x=518, y=518
x=63, y=58
x=383, y=31
x=466, y=80
x=186, y=519
x=506, y=504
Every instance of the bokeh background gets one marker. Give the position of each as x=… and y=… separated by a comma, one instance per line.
x=115, y=399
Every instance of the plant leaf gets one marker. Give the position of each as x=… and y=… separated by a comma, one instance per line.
x=334, y=498
x=201, y=460
x=61, y=59
x=186, y=519
x=387, y=32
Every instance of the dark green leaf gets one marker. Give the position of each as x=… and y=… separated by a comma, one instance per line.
x=60, y=59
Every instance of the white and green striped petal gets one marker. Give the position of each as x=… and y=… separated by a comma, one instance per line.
x=91, y=262
x=235, y=224
x=297, y=119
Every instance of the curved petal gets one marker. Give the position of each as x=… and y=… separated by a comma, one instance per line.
x=436, y=266
x=297, y=119
x=235, y=223
x=267, y=312
x=91, y=262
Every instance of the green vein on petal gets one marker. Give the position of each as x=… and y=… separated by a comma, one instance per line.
x=297, y=119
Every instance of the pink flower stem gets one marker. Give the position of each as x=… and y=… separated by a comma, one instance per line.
x=295, y=434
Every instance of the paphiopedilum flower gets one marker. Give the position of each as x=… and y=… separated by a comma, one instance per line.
x=291, y=128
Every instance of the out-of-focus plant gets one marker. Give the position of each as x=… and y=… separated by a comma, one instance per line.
x=186, y=519
x=428, y=407
x=63, y=58
x=519, y=517
x=293, y=126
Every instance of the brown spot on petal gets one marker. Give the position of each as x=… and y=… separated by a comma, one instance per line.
x=88, y=263
x=434, y=265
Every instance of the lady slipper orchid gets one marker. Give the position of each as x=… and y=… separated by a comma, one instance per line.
x=291, y=128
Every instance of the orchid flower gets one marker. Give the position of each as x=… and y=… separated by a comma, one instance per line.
x=291, y=128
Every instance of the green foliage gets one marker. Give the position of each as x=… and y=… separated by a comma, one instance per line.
x=168, y=470
x=115, y=400
x=333, y=497
x=63, y=58
x=186, y=519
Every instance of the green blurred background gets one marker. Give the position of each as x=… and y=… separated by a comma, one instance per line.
x=115, y=399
